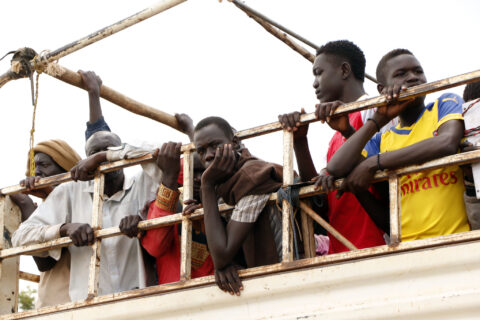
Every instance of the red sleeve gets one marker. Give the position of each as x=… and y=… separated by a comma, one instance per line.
x=180, y=175
x=158, y=241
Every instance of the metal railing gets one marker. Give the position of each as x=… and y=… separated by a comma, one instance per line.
x=287, y=257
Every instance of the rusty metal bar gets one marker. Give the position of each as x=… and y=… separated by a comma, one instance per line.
x=254, y=12
x=456, y=159
x=375, y=102
x=2, y=226
x=281, y=36
x=186, y=239
x=97, y=212
x=272, y=26
x=395, y=212
x=101, y=34
x=287, y=209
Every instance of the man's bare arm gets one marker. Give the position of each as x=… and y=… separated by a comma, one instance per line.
x=223, y=243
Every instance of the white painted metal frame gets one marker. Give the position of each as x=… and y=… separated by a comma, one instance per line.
x=287, y=258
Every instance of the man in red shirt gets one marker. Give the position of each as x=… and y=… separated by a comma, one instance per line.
x=339, y=71
x=164, y=243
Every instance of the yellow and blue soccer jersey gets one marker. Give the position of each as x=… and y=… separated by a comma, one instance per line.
x=432, y=201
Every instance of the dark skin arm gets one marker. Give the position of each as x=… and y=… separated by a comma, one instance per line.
x=168, y=160
x=222, y=243
x=186, y=124
x=92, y=83
x=291, y=122
x=323, y=112
x=85, y=169
x=349, y=154
x=378, y=210
x=82, y=233
x=445, y=143
x=27, y=207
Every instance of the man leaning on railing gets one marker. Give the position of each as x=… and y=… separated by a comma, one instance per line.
x=431, y=202
x=52, y=157
x=68, y=212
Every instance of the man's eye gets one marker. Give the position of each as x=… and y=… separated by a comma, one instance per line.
x=200, y=151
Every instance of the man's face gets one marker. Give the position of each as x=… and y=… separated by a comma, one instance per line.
x=328, y=82
x=404, y=70
x=45, y=166
x=207, y=140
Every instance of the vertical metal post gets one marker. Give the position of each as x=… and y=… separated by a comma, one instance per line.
x=286, y=207
x=395, y=212
x=9, y=268
x=97, y=212
x=2, y=240
x=186, y=241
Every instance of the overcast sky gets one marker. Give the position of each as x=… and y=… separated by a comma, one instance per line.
x=208, y=58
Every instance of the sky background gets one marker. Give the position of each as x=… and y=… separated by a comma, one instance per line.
x=208, y=58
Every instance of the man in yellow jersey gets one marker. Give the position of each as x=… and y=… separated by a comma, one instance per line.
x=432, y=201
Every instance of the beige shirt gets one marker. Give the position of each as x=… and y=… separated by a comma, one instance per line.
x=54, y=283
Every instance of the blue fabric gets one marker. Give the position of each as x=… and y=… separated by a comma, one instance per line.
x=373, y=145
x=99, y=125
x=449, y=103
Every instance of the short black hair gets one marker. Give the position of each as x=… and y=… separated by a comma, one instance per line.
x=349, y=51
x=471, y=91
x=219, y=122
x=390, y=55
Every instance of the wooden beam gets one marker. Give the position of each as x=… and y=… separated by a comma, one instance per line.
x=29, y=276
x=308, y=234
x=331, y=230
x=74, y=78
x=42, y=61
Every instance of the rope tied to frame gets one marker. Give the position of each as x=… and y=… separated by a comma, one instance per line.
x=40, y=64
x=32, y=131
x=291, y=194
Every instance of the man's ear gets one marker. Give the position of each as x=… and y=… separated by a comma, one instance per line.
x=380, y=87
x=346, y=70
x=236, y=144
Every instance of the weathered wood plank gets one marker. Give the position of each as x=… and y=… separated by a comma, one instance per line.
x=308, y=233
x=121, y=100
x=29, y=276
x=331, y=230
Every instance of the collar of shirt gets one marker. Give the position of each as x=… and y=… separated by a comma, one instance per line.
x=118, y=196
